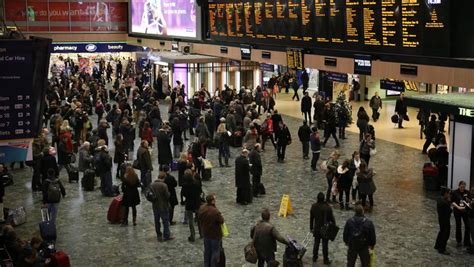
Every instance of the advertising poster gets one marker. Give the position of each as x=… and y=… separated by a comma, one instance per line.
x=84, y=64
x=164, y=17
x=16, y=150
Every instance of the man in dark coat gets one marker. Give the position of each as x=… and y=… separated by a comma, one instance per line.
x=276, y=119
x=401, y=110
x=444, y=220
x=256, y=170
x=47, y=162
x=305, y=80
x=430, y=132
x=163, y=141
x=304, y=133
x=282, y=139
x=319, y=111
x=359, y=236
x=306, y=107
x=103, y=164
x=321, y=213
x=242, y=178
x=330, y=124
x=144, y=163
x=171, y=182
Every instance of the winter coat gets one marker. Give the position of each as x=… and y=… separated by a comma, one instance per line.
x=306, y=104
x=304, y=133
x=163, y=141
x=131, y=196
x=283, y=137
x=242, y=172
x=362, y=120
x=366, y=182
x=170, y=181
x=85, y=160
x=256, y=161
x=192, y=192
x=345, y=178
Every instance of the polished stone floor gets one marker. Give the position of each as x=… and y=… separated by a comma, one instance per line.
x=404, y=215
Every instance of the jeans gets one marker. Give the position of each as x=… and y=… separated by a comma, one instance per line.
x=314, y=160
x=212, y=252
x=262, y=259
x=305, y=148
x=375, y=114
x=145, y=178
x=295, y=95
x=224, y=152
x=164, y=216
x=317, y=240
x=458, y=217
x=345, y=191
x=53, y=211
x=281, y=149
x=191, y=219
x=362, y=253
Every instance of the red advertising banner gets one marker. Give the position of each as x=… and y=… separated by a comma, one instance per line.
x=64, y=16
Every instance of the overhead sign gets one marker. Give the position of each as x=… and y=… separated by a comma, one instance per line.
x=295, y=58
x=466, y=112
x=392, y=85
x=337, y=77
x=94, y=48
x=245, y=52
x=363, y=64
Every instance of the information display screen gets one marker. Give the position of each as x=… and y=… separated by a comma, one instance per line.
x=173, y=18
x=385, y=26
x=295, y=58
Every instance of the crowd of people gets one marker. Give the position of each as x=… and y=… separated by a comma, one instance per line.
x=130, y=110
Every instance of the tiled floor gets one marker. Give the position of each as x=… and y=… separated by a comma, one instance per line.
x=404, y=215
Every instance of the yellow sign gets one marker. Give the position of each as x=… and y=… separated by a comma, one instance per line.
x=285, y=206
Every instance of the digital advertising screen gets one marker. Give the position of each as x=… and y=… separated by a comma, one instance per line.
x=165, y=18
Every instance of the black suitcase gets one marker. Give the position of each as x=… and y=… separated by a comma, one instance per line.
x=206, y=174
x=73, y=174
x=88, y=181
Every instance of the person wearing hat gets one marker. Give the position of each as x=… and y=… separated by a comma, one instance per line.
x=242, y=178
x=224, y=140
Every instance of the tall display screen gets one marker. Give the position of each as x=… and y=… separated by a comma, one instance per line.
x=165, y=18
x=419, y=27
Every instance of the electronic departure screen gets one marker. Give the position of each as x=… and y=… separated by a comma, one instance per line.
x=386, y=26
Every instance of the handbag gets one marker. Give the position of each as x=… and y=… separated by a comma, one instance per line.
x=329, y=230
x=207, y=164
x=373, y=151
x=224, y=230
x=372, y=257
x=250, y=251
x=324, y=165
x=136, y=164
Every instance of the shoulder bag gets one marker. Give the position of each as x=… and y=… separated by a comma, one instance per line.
x=250, y=250
x=329, y=230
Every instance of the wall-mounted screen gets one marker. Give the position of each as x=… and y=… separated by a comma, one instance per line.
x=165, y=18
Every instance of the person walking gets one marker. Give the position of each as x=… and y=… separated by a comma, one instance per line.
x=431, y=130
x=376, y=105
x=119, y=154
x=444, y=219
x=210, y=220
x=304, y=134
x=192, y=189
x=163, y=142
x=315, y=141
x=330, y=124
x=295, y=86
x=305, y=80
x=144, y=163
x=367, y=188
x=362, y=122
x=306, y=107
x=320, y=214
x=131, y=197
x=401, y=110
x=53, y=189
x=256, y=170
x=471, y=220
x=242, y=178
x=366, y=145
x=265, y=236
x=459, y=198
x=282, y=139
x=267, y=131
x=161, y=208
x=171, y=182
x=359, y=236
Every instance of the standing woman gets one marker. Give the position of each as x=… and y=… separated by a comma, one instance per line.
x=332, y=164
x=119, y=155
x=131, y=197
x=182, y=166
x=459, y=197
x=224, y=140
x=177, y=137
x=365, y=178
x=353, y=168
x=365, y=146
x=362, y=122
x=192, y=193
x=147, y=133
x=344, y=183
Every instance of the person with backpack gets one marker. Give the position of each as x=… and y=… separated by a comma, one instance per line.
x=321, y=213
x=53, y=189
x=359, y=236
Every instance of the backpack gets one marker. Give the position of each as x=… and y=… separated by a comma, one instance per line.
x=54, y=191
x=150, y=194
x=358, y=237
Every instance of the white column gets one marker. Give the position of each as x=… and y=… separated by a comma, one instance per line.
x=211, y=81
x=223, y=79
x=237, y=80
x=257, y=78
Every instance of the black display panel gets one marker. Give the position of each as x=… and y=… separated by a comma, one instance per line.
x=363, y=64
x=418, y=27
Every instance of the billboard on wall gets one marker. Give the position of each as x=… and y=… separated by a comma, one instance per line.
x=166, y=18
x=65, y=16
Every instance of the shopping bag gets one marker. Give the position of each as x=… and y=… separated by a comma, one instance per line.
x=372, y=257
x=225, y=230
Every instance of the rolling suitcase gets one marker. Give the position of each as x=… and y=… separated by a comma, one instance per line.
x=72, y=173
x=430, y=169
x=60, y=259
x=88, y=181
x=47, y=227
x=115, y=213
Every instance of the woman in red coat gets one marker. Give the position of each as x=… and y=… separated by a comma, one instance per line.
x=147, y=133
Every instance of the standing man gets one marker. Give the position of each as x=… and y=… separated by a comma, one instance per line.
x=265, y=236
x=144, y=161
x=304, y=134
x=242, y=178
x=282, y=139
x=401, y=110
x=315, y=141
x=305, y=80
x=306, y=107
x=444, y=220
x=210, y=220
x=320, y=214
x=359, y=236
x=376, y=104
x=256, y=170
x=318, y=111
x=161, y=208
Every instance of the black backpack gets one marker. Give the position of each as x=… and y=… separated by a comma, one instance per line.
x=54, y=191
x=358, y=238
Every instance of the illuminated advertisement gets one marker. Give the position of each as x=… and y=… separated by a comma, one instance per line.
x=168, y=18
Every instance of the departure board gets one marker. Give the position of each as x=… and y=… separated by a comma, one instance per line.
x=381, y=26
